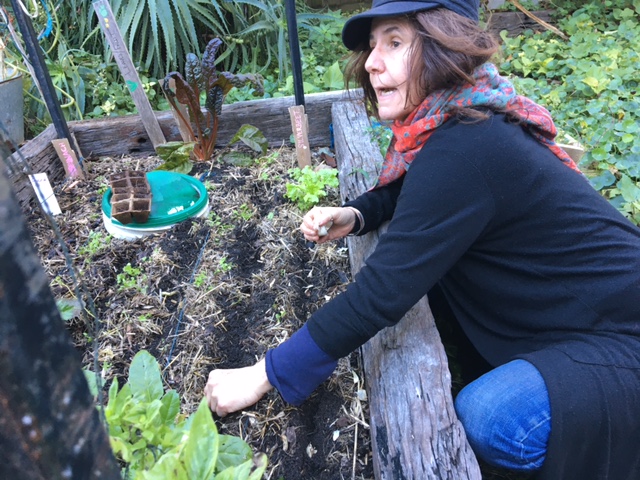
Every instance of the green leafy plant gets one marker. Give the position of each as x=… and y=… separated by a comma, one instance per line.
x=155, y=441
x=261, y=33
x=176, y=156
x=253, y=138
x=69, y=308
x=203, y=82
x=96, y=242
x=309, y=186
x=131, y=278
x=159, y=33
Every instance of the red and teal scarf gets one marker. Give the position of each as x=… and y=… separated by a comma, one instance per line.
x=490, y=91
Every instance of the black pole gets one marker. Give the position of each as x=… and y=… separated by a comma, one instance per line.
x=36, y=58
x=294, y=47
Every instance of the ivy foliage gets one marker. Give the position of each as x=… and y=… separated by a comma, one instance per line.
x=590, y=84
x=155, y=441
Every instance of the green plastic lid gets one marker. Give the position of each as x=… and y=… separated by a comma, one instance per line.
x=176, y=197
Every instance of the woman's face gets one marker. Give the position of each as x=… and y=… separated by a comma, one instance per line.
x=388, y=66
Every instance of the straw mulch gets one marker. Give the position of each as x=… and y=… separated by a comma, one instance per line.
x=216, y=292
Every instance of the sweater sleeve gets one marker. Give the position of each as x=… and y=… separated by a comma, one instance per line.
x=377, y=206
x=297, y=366
x=443, y=207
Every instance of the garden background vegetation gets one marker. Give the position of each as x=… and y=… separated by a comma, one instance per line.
x=589, y=80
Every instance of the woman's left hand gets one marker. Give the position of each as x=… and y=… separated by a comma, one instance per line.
x=231, y=390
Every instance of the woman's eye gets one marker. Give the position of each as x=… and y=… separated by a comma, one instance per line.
x=395, y=44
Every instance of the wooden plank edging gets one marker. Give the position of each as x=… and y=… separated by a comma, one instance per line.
x=118, y=136
x=414, y=428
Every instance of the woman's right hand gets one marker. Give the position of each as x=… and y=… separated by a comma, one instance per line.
x=338, y=221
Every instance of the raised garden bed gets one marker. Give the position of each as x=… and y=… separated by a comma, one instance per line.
x=215, y=292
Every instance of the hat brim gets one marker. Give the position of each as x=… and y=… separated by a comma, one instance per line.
x=357, y=28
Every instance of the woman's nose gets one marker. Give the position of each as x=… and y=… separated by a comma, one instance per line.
x=374, y=63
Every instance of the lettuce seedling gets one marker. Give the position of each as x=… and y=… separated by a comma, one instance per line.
x=309, y=186
x=204, y=83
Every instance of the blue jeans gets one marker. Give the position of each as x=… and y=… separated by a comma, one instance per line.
x=507, y=417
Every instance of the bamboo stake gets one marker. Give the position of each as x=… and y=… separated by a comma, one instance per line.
x=516, y=4
x=3, y=67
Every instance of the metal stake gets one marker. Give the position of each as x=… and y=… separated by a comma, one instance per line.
x=294, y=47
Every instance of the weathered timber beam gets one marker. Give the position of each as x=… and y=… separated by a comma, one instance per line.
x=118, y=136
x=126, y=135
x=414, y=429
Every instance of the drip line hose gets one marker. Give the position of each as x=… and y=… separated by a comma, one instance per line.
x=49, y=28
x=184, y=306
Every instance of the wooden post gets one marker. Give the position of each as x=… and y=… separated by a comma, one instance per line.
x=300, y=128
x=414, y=428
x=49, y=424
x=128, y=70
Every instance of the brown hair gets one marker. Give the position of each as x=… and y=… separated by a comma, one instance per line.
x=446, y=50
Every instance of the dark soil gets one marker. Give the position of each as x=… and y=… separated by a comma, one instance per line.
x=216, y=292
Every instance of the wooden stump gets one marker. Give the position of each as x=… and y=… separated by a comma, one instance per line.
x=49, y=424
x=414, y=428
x=515, y=23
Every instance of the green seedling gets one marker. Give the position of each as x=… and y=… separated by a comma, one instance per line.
x=200, y=280
x=310, y=186
x=97, y=242
x=131, y=278
x=224, y=266
x=245, y=212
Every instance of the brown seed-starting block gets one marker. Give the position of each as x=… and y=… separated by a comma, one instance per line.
x=131, y=197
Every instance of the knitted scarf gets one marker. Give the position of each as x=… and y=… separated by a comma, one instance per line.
x=490, y=91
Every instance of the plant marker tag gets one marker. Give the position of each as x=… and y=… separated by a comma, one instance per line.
x=125, y=64
x=44, y=192
x=68, y=158
x=300, y=127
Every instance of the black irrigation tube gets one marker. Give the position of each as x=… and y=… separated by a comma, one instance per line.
x=184, y=306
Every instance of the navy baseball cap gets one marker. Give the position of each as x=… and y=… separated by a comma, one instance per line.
x=357, y=28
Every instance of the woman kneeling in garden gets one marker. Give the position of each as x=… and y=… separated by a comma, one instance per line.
x=540, y=271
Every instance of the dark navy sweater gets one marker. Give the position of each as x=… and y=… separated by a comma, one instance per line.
x=534, y=263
